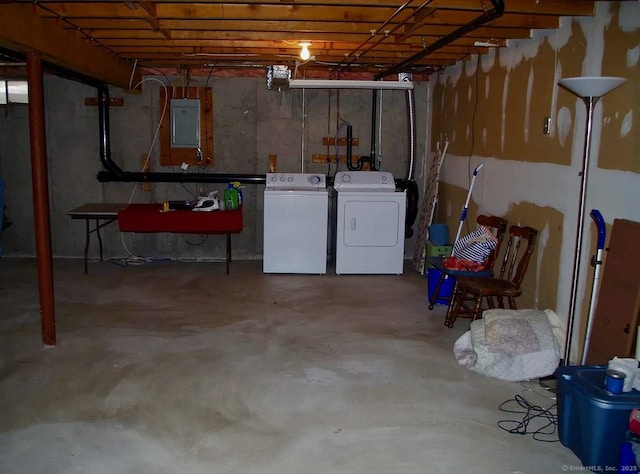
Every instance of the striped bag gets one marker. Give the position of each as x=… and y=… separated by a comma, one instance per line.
x=476, y=246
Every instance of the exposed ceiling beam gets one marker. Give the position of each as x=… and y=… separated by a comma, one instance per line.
x=22, y=31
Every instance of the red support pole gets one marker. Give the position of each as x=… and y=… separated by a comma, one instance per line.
x=41, y=198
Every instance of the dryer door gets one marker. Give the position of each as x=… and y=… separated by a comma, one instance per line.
x=371, y=223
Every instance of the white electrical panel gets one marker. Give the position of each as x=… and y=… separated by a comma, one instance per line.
x=185, y=123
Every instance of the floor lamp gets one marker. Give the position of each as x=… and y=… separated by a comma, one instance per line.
x=589, y=89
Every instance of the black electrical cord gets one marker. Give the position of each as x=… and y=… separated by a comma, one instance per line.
x=202, y=240
x=545, y=420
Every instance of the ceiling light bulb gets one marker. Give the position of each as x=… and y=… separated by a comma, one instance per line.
x=304, y=52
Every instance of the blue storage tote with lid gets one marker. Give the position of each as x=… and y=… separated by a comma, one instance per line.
x=592, y=421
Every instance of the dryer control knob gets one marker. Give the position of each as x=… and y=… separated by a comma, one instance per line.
x=315, y=179
x=346, y=178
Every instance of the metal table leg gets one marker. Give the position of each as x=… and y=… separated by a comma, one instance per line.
x=86, y=247
x=228, y=251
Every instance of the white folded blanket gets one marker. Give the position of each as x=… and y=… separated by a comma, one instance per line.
x=511, y=344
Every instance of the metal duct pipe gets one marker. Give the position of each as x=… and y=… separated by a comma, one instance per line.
x=496, y=12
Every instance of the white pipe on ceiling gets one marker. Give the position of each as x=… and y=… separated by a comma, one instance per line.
x=348, y=84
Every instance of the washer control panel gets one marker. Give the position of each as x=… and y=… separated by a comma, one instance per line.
x=296, y=181
x=364, y=181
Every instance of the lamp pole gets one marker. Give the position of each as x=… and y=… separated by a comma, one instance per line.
x=590, y=90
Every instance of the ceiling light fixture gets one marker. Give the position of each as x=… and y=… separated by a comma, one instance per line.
x=347, y=84
x=304, y=51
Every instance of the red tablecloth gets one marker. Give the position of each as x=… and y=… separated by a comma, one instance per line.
x=151, y=218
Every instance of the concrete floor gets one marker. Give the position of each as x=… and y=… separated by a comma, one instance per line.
x=176, y=368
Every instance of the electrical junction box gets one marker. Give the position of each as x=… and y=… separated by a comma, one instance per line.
x=185, y=123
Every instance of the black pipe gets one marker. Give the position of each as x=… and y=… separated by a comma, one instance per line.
x=114, y=173
x=163, y=177
x=362, y=160
x=498, y=10
x=374, y=114
x=350, y=166
x=105, y=144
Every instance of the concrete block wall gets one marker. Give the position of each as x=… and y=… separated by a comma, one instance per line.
x=250, y=123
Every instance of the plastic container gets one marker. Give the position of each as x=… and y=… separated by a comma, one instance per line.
x=433, y=250
x=439, y=234
x=592, y=421
x=231, y=198
x=236, y=185
x=614, y=380
x=446, y=290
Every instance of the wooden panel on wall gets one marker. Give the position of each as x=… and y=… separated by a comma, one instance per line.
x=615, y=319
x=176, y=156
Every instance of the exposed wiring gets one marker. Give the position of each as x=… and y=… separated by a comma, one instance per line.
x=132, y=259
x=155, y=136
x=203, y=239
x=539, y=421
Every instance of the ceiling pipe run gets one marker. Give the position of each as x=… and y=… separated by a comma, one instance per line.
x=375, y=32
x=487, y=16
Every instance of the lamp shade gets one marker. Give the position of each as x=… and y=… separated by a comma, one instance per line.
x=595, y=86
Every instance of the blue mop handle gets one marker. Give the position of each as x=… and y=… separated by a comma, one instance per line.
x=465, y=208
x=597, y=263
x=602, y=228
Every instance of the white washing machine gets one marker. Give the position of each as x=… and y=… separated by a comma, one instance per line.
x=296, y=215
x=370, y=223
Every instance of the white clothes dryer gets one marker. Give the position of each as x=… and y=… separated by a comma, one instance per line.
x=369, y=237
x=296, y=215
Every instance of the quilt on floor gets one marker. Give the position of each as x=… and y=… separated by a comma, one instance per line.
x=512, y=345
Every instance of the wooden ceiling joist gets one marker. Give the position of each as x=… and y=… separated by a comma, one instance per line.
x=102, y=39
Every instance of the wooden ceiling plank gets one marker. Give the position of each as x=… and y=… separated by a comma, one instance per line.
x=279, y=12
x=23, y=31
x=83, y=9
x=553, y=7
x=235, y=31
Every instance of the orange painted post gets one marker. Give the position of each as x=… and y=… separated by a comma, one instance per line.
x=41, y=198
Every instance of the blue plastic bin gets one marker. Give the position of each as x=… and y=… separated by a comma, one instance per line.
x=439, y=234
x=592, y=422
x=446, y=290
